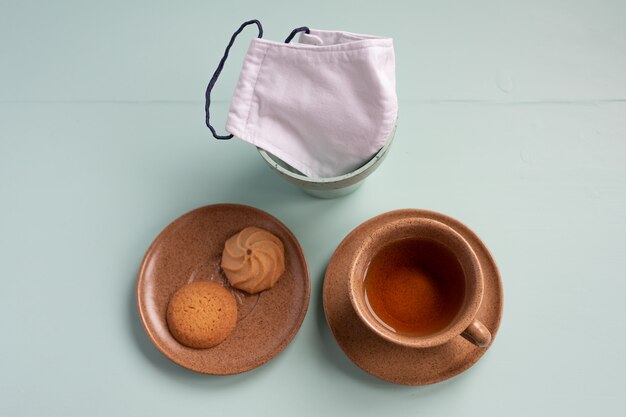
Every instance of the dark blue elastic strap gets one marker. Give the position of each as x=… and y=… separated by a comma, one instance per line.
x=296, y=31
x=220, y=66
x=217, y=72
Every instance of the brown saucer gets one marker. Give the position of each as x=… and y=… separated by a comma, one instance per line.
x=383, y=359
x=190, y=249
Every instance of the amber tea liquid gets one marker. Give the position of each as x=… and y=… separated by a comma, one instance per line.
x=415, y=287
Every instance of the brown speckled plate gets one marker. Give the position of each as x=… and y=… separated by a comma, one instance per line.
x=190, y=249
x=383, y=359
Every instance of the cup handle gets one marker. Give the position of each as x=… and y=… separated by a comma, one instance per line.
x=477, y=333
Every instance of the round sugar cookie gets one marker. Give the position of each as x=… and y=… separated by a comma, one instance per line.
x=201, y=314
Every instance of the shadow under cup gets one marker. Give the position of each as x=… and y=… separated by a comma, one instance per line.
x=418, y=284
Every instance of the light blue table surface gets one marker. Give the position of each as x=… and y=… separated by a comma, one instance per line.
x=512, y=119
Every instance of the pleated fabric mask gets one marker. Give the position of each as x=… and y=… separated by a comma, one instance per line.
x=324, y=105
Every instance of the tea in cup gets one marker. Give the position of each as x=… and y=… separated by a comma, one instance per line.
x=418, y=283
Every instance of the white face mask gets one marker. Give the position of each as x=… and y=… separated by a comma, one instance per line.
x=324, y=105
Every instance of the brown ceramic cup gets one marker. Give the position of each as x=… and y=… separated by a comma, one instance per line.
x=464, y=322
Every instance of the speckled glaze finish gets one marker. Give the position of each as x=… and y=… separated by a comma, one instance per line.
x=390, y=361
x=190, y=249
x=425, y=229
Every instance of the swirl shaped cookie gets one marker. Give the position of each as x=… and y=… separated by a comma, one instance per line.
x=253, y=260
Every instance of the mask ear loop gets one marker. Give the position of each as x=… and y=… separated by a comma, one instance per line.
x=296, y=31
x=217, y=72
